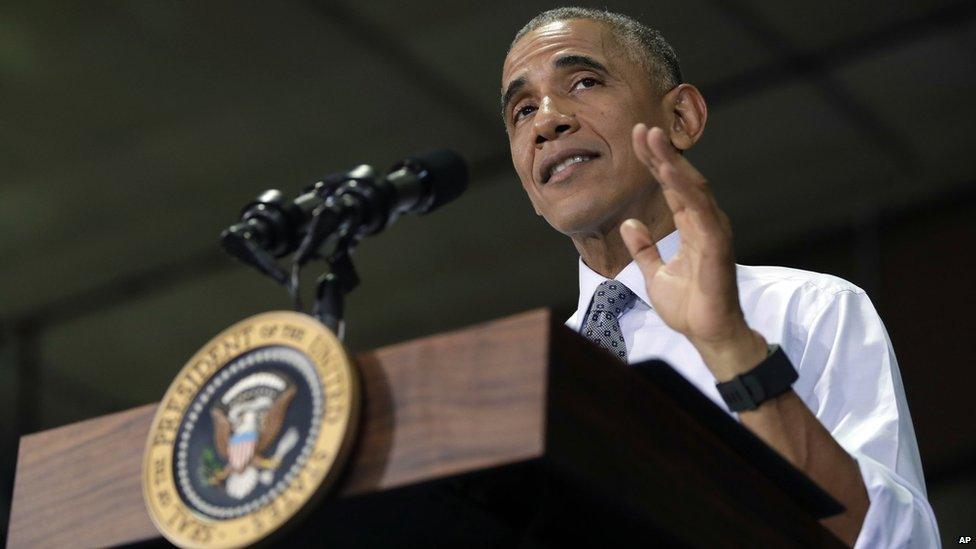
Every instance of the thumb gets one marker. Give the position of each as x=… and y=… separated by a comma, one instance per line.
x=641, y=247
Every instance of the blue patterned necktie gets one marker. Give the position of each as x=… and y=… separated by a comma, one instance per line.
x=601, y=325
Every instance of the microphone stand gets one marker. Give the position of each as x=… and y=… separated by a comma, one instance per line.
x=332, y=287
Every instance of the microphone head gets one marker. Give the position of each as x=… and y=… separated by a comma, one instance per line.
x=446, y=174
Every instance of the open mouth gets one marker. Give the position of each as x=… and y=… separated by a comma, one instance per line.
x=560, y=168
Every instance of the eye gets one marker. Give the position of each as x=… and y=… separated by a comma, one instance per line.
x=584, y=83
x=522, y=112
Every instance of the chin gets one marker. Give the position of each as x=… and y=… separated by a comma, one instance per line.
x=586, y=219
x=581, y=216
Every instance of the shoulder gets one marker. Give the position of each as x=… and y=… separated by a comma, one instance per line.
x=795, y=307
x=797, y=279
x=798, y=290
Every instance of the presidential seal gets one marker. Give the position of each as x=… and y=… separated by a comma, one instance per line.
x=254, y=427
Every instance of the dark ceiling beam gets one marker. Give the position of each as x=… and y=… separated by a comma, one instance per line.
x=27, y=355
x=816, y=66
x=125, y=288
x=411, y=67
x=798, y=63
x=92, y=401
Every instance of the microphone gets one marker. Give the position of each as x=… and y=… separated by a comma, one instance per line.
x=366, y=205
x=353, y=204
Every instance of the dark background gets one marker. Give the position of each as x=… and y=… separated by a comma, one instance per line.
x=132, y=132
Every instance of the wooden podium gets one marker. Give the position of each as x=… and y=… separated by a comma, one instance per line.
x=517, y=432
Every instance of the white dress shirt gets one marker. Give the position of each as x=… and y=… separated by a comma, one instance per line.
x=849, y=377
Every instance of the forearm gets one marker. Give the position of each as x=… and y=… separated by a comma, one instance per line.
x=786, y=424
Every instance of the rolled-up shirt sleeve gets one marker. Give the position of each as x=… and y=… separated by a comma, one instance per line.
x=849, y=378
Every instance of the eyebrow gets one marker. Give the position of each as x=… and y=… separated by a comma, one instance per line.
x=566, y=61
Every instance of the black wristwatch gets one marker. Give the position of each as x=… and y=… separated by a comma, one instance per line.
x=772, y=377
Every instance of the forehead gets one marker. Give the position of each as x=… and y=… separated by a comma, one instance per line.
x=544, y=43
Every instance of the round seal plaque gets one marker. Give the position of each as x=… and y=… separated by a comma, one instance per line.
x=255, y=426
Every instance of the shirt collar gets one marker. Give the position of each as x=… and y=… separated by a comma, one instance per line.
x=630, y=276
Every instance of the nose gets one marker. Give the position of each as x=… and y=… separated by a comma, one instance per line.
x=551, y=122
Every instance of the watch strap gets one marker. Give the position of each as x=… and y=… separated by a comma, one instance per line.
x=770, y=378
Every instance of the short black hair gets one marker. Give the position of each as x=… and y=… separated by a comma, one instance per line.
x=646, y=45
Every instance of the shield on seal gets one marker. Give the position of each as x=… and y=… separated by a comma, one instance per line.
x=241, y=449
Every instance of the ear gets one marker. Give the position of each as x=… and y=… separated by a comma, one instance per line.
x=688, y=115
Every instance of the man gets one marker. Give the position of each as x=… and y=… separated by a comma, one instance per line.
x=597, y=118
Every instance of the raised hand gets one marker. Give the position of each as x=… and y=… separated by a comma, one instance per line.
x=695, y=293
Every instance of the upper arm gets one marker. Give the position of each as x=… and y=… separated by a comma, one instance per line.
x=849, y=378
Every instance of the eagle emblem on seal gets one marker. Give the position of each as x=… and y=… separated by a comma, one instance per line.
x=247, y=421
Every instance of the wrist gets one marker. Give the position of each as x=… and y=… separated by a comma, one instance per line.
x=733, y=355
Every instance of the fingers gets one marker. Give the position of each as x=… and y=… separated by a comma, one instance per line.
x=639, y=141
x=673, y=170
x=661, y=149
x=685, y=189
x=653, y=147
x=640, y=136
x=641, y=247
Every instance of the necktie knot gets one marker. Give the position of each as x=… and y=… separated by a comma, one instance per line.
x=610, y=300
x=612, y=297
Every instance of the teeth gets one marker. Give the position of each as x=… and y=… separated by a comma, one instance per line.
x=567, y=163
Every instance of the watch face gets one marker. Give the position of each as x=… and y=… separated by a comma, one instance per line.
x=735, y=395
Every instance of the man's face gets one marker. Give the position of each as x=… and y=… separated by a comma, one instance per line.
x=573, y=97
